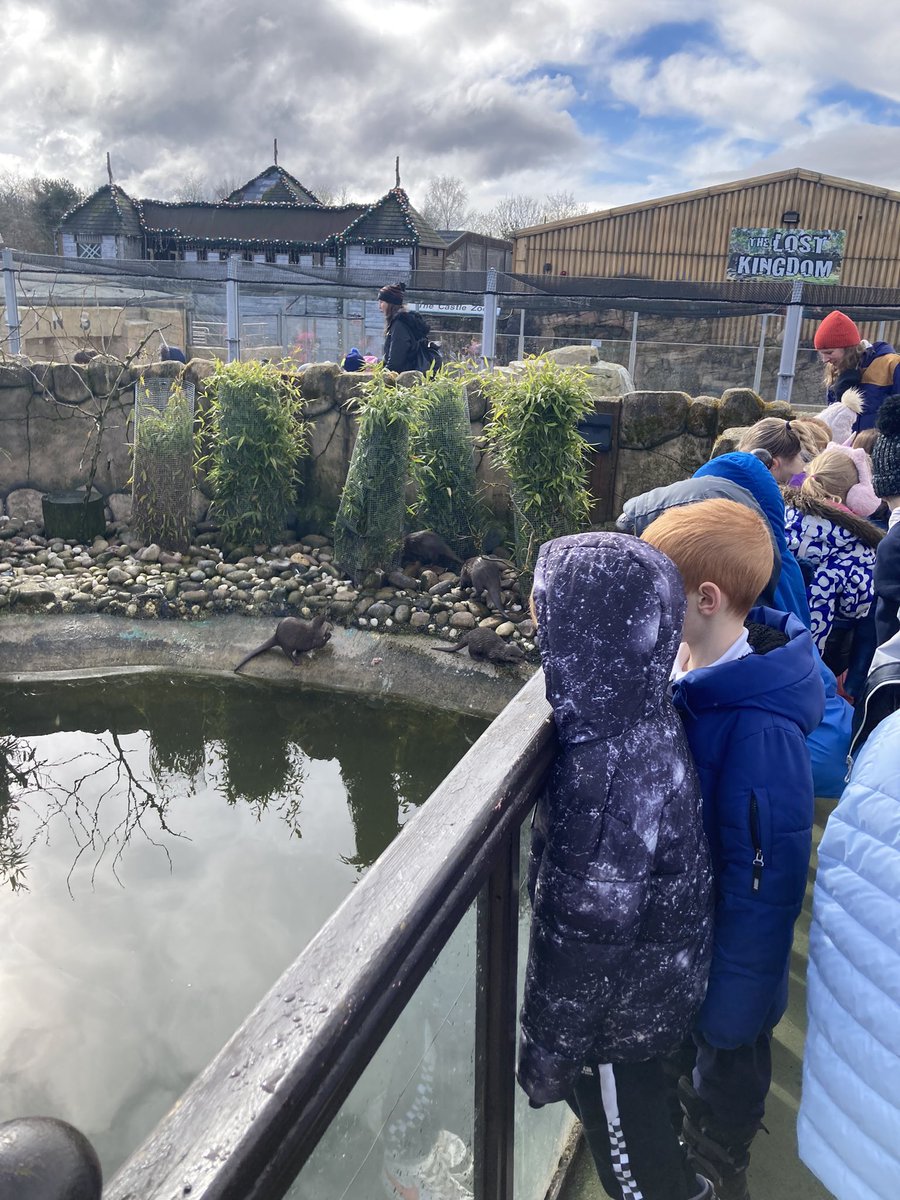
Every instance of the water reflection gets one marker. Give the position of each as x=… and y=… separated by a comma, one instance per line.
x=180, y=843
x=145, y=743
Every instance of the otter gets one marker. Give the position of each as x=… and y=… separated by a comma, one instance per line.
x=294, y=637
x=483, y=575
x=487, y=646
x=429, y=547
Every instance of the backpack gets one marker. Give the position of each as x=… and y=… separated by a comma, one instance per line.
x=880, y=695
x=429, y=357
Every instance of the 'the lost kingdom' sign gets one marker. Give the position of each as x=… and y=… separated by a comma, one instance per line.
x=812, y=254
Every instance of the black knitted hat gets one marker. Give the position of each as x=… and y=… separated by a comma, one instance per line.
x=393, y=293
x=886, y=451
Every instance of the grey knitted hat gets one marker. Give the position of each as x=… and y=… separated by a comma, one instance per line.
x=886, y=451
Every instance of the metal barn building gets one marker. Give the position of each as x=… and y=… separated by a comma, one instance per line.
x=688, y=236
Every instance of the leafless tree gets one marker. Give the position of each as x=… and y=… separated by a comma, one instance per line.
x=512, y=213
x=446, y=203
x=193, y=188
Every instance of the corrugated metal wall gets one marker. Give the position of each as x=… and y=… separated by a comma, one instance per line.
x=687, y=238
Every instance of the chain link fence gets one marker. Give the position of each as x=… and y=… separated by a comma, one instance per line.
x=698, y=338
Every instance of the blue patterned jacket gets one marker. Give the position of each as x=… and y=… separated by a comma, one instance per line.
x=619, y=871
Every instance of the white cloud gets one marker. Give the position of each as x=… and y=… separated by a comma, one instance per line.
x=482, y=89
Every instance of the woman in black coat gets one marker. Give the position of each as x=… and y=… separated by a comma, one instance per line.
x=403, y=330
x=619, y=872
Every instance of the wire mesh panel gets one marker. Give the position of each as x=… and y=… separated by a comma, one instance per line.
x=368, y=532
x=163, y=462
x=442, y=446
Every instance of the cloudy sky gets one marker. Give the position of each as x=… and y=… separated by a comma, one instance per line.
x=613, y=100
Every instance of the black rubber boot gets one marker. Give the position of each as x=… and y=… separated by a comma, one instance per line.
x=720, y=1153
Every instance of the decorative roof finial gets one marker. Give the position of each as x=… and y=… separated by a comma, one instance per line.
x=109, y=168
x=276, y=152
x=397, y=170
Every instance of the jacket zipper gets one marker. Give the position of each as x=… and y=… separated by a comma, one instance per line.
x=758, y=861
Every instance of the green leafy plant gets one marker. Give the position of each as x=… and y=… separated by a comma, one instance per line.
x=163, y=471
x=533, y=435
x=256, y=437
x=443, y=461
x=368, y=531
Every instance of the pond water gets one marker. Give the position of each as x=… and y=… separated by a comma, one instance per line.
x=167, y=848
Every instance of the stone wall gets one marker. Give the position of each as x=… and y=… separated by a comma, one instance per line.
x=50, y=415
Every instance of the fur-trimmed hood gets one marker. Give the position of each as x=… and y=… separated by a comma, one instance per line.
x=857, y=527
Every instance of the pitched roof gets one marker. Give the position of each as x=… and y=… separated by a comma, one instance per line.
x=393, y=219
x=274, y=184
x=108, y=210
x=310, y=225
x=719, y=189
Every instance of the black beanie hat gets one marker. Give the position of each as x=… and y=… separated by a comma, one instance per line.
x=393, y=293
x=886, y=451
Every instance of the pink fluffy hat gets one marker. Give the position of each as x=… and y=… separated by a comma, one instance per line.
x=861, y=498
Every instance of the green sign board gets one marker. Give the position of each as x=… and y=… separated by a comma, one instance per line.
x=814, y=255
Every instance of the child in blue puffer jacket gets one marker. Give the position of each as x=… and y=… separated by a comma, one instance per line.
x=748, y=695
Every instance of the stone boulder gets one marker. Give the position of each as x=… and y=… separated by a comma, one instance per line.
x=703, y=416
x=651, y=418
x=609, y=379
x=781, y=408
x=14, y=374
x=728, y=439
x=25, y=503
x=740, y=406
x=318, y=381
x=69, y=384
x=119, y=505
x=575, y=356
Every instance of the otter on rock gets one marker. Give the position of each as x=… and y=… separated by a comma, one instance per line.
x=487, y=646
x=429, y=547
x=295, y=637
x=483, y=574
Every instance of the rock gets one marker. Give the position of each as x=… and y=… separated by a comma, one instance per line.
x=728, y=439
x=34, y=593
x=317, y=382
x=150, y=554
x=462, y=620
x=526, y=628
x=402, y=614
x=195, y=596
x=740, y=406
x=419, y=620
x=24, y=504
x=380, y=611
x=575, y=356
x=609, y=379
x=702, y=416
x=428, y=579
x=69, y=384
x=117, y=576
x=315, y=541
x=119, y=505
x=507, y=629
x=199, y=506
x=477, y=401
x=781, y=408
x=651, y=418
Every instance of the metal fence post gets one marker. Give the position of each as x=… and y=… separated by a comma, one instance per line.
x=792, y=323
x=495, y=1027
x=12, y=306
x=232, y=311
x=632, y=349
x=520, y=353
x=760, y=353
x=489, y=320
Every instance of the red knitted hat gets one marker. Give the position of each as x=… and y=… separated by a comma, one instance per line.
x=837, y=332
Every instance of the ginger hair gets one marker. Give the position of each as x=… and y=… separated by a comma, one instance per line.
x=720, y=542
x=829, y=477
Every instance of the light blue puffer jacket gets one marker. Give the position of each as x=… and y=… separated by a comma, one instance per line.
x=849, y=1123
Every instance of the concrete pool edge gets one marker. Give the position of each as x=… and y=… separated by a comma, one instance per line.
x=405, y=668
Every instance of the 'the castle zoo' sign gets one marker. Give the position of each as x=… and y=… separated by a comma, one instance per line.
x=810, y=254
